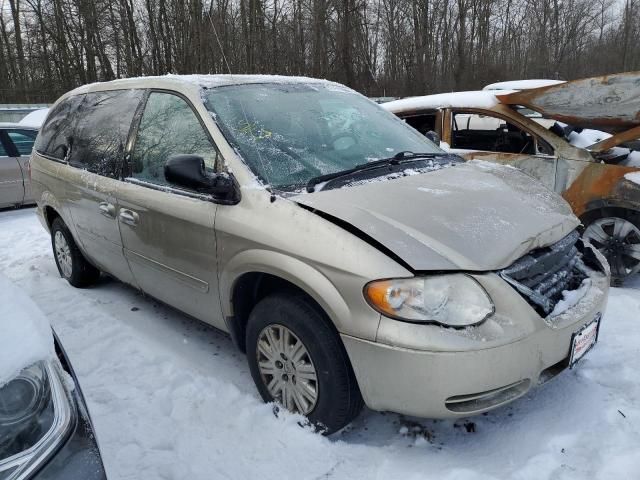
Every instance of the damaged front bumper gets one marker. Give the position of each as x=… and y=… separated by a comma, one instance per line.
x=434, y=372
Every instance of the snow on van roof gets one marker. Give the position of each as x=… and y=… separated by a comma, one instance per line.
x=478, y=99
x=217, y=80
x=201, y=80
x=25, y=333
x=522, y=84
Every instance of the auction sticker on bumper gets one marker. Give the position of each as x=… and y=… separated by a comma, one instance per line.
x=583, y=340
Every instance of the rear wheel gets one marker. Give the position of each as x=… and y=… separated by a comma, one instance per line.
x=618, y=239
x=298, y=361
x=71, y=264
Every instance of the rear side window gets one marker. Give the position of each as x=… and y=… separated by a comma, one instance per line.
x=424, y=123
x=101, y=133
x=23, y=140
x=57, y=132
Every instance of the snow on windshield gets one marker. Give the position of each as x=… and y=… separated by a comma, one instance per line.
x=25, y=333
x=290, y=133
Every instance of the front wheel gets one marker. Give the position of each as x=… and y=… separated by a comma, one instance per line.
x=618, y=239
x=298, y=361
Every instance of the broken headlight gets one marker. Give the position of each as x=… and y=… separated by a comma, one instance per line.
x=454, y=300
x=35, y=416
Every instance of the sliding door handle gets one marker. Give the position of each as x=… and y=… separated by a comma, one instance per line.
x=128, y=217
x=107, y=209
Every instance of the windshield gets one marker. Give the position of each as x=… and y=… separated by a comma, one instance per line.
x=290, y=133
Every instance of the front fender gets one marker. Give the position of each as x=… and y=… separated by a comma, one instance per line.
x=311, y=280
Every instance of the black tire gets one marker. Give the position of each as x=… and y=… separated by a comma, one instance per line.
x=81, y=273
x=338, y=397
x=613, y=254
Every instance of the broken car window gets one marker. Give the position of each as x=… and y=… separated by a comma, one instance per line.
x=471, y=131
x=290, y=133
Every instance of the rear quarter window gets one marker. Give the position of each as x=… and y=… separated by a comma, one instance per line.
x=56, y=133
x=102, y=130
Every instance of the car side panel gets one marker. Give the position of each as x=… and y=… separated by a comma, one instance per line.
x=22, y=155
x=92, y=204
x=44, y=181
x=11, y=182
x=11, y=179
x=75, y=195
x=588, y=186
x=285, y=240
x=24, y=166
x=171, y=248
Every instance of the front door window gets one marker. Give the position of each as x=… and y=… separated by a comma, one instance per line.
x=472, y=131
x=169, y=126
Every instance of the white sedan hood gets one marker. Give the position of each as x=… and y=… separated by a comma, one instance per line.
x=25, y=333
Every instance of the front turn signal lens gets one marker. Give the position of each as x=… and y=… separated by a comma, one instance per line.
x=453, y=300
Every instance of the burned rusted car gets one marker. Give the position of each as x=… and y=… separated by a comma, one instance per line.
x=529, y=129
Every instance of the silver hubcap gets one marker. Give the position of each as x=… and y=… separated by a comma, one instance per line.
x=286, y=369
x=619, y=241
x=63, y=254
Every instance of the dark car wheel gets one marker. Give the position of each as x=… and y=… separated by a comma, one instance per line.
x=71, y=264
x=298, y=361
x=618, y=239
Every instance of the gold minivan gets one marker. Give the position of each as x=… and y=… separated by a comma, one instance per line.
x=351, y=258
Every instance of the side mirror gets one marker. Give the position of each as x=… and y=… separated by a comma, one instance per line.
x=433, y=136
x=189, y=171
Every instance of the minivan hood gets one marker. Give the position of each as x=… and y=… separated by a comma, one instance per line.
x=475, y=216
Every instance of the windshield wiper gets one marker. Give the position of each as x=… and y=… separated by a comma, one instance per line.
x=383, y=162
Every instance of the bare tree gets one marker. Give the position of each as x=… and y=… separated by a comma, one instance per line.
x=381, y=47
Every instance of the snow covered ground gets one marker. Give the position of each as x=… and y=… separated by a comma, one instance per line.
x=172, y=399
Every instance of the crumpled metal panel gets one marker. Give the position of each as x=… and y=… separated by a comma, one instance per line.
x=543, y=274
x=594, y=185
x=473, y=216
x=610, y=103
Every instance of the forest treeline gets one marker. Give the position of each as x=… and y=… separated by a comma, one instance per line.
x=380, y=47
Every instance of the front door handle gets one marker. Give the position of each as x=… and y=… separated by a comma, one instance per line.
x=107, y=209
x=129, y=217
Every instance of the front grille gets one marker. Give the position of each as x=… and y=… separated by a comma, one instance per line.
x=543, y=274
